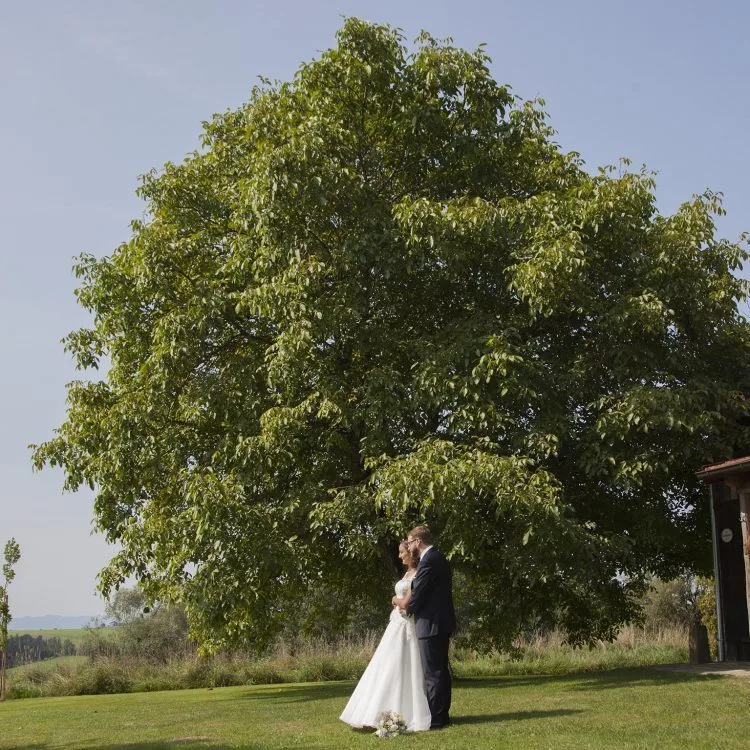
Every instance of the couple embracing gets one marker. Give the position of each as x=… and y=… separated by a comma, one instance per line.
x=409, y=671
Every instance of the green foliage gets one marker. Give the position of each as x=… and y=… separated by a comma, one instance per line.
x=380, y=294
x=151, y=634
x=125, y=606
x=101, y=678
x=11, y=555
x=706, y=602
x=670, y=604
x=158, y=637
x=25, y=648
x=318, y=615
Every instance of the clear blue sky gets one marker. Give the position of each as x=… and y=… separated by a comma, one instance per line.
x=92, y=94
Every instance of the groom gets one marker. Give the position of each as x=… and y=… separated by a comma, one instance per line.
x=431, y=603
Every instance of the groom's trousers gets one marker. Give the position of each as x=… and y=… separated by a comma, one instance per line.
x=437, y=677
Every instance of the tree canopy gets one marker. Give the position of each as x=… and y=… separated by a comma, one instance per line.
x=382, y=294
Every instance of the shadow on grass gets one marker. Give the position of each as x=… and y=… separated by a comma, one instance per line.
x=313, y=691
x=184, y=744
x=618, y=678
x=638, y=678
x=460, y=721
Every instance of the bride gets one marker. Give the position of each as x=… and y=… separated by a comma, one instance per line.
x=393, y=680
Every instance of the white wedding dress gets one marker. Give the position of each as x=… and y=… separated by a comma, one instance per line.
x=393, y=680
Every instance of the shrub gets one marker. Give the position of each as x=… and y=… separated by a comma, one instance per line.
x=263, y=674
x=25, y=690
x=706, y=601
x=196, y=673
x=101, y=677
x=670, y=604
x=156, y=636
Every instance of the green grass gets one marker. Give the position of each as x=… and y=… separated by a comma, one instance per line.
x=48, y=665
x=630, y=708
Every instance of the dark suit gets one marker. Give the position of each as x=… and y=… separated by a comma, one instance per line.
x=431, y=603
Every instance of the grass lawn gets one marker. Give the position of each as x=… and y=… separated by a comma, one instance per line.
x=629, y=708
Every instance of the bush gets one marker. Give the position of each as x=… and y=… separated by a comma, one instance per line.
x=100, y=642
x=196, y=673
x=706, y=601
x=323, y=669
x=683, y=602
x=670, y=604
x=155, y=683
x=263, y=674
x=101, y=677
x=157, y=637
x=25, y=690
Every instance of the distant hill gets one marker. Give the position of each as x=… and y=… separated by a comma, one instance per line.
x=50, y=622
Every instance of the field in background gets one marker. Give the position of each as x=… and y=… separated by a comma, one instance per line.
x=344, y=660
x=633, y=708
x=75, y=635
x=49, y=665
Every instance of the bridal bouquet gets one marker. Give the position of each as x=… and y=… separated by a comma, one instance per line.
x=390, y=724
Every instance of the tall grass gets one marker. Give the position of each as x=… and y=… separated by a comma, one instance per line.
x=549, y=654
x=318, y=661
x=314, y=661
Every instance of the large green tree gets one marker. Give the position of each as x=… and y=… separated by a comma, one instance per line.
x=381, y=294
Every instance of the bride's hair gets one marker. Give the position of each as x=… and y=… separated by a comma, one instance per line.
x=413, y=558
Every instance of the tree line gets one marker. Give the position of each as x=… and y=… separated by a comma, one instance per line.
x=25, y=648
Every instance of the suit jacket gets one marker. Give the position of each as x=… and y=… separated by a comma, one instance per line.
x=431, y=600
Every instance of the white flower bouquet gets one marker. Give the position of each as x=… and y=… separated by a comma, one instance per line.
x=390, y=724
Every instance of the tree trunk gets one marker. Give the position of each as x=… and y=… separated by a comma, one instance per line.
x=698, y=644
x=3, y=662
x=4, y=651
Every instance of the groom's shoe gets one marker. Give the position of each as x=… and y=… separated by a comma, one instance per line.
x=440, y=724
